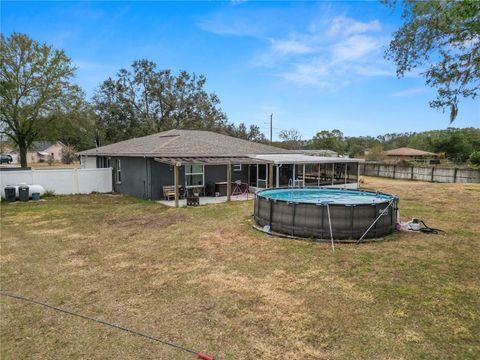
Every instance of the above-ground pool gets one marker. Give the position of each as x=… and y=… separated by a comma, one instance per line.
x=304, y=213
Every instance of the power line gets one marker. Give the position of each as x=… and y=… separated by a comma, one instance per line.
x=200, y=355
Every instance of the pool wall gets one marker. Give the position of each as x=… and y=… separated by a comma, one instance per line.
x=308, y=220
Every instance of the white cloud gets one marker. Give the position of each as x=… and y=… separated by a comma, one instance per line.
x=346, y=26
x=314, y=73
x=410, y=92
x=290, y=47
x=355, y=47
x=325, y=55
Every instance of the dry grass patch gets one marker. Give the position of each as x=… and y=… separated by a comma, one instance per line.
x=204, y=278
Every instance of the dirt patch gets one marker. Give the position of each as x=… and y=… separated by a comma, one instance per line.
x=143, y=221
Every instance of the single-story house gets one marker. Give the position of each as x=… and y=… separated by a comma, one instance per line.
x=205, y=160
x=408, y=154
x=41, y=150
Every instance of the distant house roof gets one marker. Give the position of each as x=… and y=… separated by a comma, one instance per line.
x=184, y=143
x=406, y=151
x=41, y=146
x=317, y=152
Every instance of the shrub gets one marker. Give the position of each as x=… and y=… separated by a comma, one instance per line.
x=475, y=158
x=68, y=154
x=49, y=193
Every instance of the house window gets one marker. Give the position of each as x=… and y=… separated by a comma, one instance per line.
x=194, y=176
x=237, y=167
x=119, y=172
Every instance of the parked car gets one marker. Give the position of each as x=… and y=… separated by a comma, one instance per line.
x=6, y=159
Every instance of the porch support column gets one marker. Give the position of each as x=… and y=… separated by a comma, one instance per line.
x=318, y=178
x=278, y=176
x=175, y=182
x=229, y=181
x=358, y=175
x=333, y=173
x=303, y=185
x=270, y=175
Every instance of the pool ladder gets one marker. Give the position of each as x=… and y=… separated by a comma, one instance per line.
x=294, y=183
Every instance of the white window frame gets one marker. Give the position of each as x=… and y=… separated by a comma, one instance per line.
x=195, y=173
x=237, y=167
x=118, y=170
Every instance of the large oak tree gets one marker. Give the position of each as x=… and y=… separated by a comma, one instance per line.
x=443, y=39
x=145, y=100
x=34, y=84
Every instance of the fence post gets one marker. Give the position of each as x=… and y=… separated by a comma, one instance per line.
x=433, y=171
x=378, y=170
x=394, y=168
x=76, y=187
x=411, y=172
x=455, y=175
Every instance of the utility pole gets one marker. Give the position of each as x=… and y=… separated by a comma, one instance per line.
x=271, y=122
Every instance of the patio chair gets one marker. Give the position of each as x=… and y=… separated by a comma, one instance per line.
x=237, y=190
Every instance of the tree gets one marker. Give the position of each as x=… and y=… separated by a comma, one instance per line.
x=255, y=134
x=356, y=150
x=329, y=140
x=35, y=82
x=455, y=145
x=444, y=38
x=375, y=153
x=292, y=139
x=474, y=158
x=68, y=154
x=145, y=100
x=75, y=127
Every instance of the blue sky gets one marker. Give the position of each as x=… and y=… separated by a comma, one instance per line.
x=315, y=66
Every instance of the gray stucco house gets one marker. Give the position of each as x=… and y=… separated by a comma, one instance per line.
x=203, y=159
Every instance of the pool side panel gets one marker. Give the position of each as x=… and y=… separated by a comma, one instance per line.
x=311, y=220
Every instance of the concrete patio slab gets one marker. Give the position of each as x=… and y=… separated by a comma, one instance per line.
x=205, y=200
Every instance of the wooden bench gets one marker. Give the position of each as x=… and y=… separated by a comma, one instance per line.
x=169, y=191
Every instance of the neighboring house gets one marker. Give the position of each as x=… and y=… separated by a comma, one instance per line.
x=205, y=160
x=41, y=150
x=408, y=154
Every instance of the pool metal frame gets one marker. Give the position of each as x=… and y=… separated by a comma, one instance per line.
x=310, y=220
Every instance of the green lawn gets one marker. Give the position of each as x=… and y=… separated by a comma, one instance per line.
x=202, y=277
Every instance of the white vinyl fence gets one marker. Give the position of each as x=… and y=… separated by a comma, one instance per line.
x=62, y=181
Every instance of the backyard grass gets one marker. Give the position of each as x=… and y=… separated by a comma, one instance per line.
x=203, y=278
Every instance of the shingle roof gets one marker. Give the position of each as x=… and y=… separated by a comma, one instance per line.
x=406, y=151
x=184, y=143
x=41, y=145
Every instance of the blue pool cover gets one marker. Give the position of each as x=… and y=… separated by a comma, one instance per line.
x=333, y=196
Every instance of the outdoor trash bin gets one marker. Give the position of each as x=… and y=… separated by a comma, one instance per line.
x=35, y=196
x=10, y=194
x=23, y=193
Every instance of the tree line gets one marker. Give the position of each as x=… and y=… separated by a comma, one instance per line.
x=457, y=145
